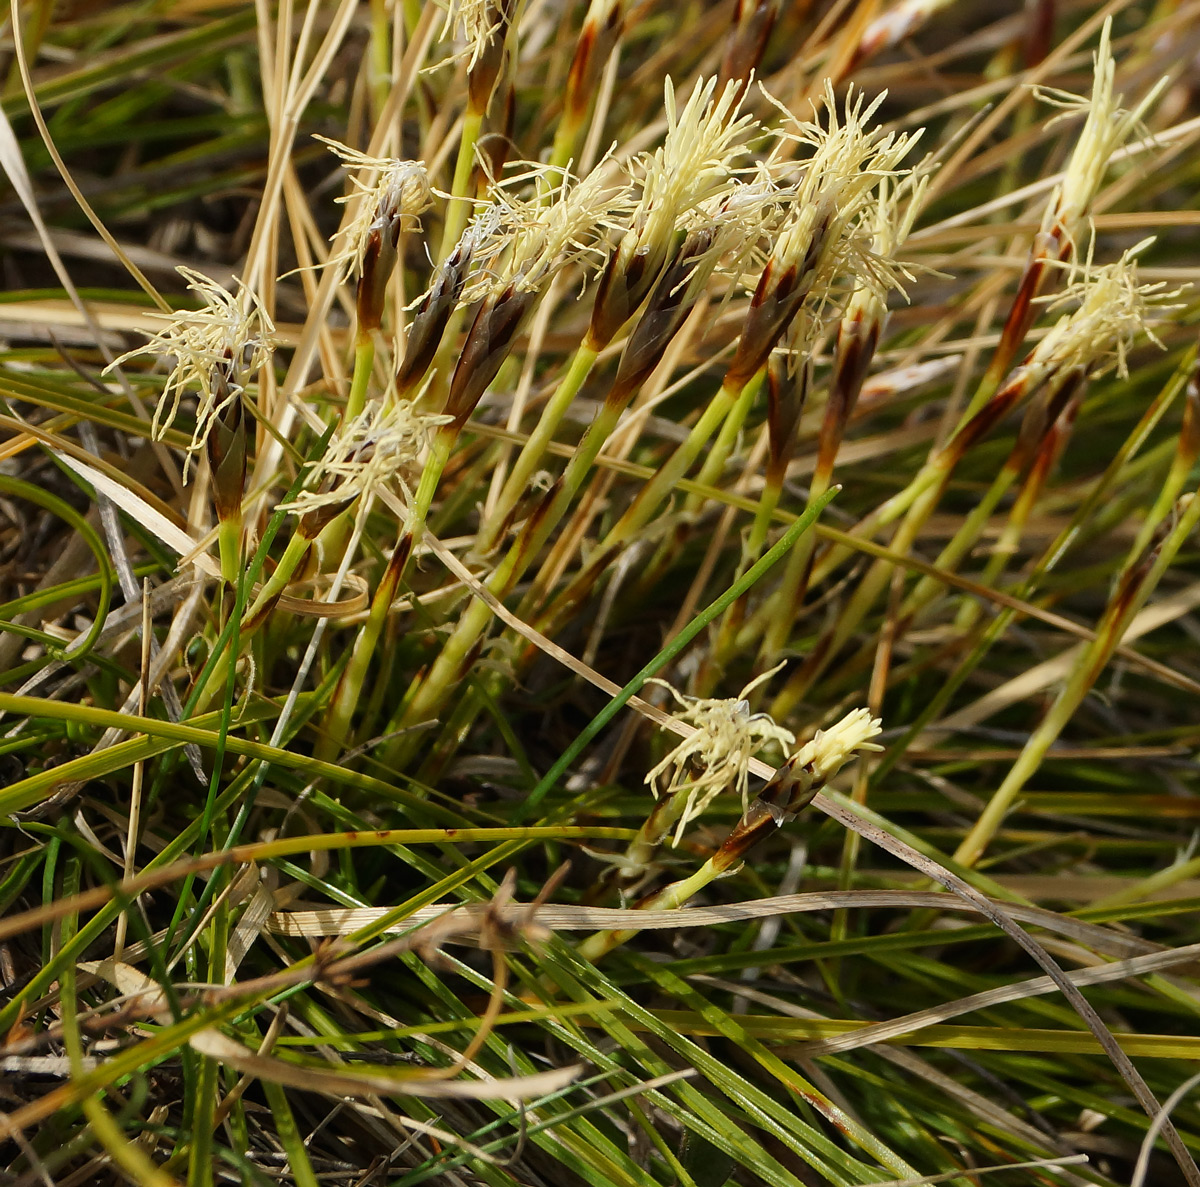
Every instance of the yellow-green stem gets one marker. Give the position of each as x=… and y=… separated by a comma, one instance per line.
x=381, y=53
x=859, y=605
x=566, y=136
x=459, y=205
x=345, y=700
x=644, y=505
x=364, y=361
x=774, y=620
x=293, y=556
x=229, y=543
x=669, y=898
x=963, y=541
x=668, y=475
x=535, y=448
x=349, y=688
x=714, y=463
x=426, y=698
x=1091, y=662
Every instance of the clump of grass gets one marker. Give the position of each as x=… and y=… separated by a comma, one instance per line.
x=468, y=598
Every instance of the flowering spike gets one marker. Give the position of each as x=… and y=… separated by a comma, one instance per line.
x=371, y=455
x=726, y=737
x=1112, y=309
x=1105, y=129
x=694, y=165
x=822, y=237
x=215, y=349
x=391, y=203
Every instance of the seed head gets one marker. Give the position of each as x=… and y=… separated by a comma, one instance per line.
x=726, y=737
x=392, y=202
x=371, y=455
x=215, y=349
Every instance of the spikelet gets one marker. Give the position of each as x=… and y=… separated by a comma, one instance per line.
x=726, y=737
x=825, y=236
x=520, y=241
x=392, y=202
x=215, y=349
x=370, y=457
x=1106, y=127
x=1111, y=310
x=829, y=750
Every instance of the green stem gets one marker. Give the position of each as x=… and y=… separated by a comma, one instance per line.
x=350, y=686
x=963, y=541
x=229, y=544
x=290, y=1137
x=1092, y=661
x=649, y=498
x=714, y=463
x=293, y=556
x=364, y=361
x=535, y=448
x=459, y=207
x=859, y=605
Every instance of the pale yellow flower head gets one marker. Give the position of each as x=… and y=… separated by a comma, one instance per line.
x=1106, y=128
x=522, y=240
x=214, y=351
x=845, y=219
x=704, y=143
x=393, y=201
x=830, y=750
x=373, y=455
x=716, y=756
x=1111, y=310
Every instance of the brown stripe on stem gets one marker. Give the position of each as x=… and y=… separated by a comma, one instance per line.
x=429, y=322
x=1041, y=416
x=1189, y=428
x=857, y=341
x=1039, y=31
x=747, y=39
x=397, y=563
x=1053, y=244
x=592, y=51
x=491, y=337
x=791, y=789
x=496, y=145
x=986, y=419
x=1055, y=440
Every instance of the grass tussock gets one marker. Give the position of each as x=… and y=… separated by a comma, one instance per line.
x=599, y=593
